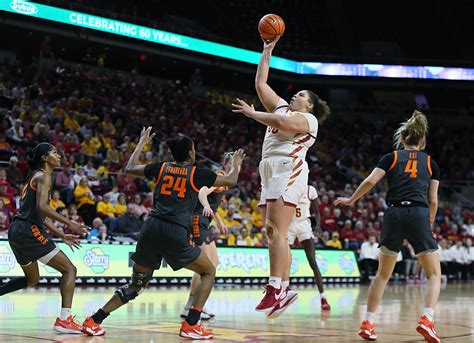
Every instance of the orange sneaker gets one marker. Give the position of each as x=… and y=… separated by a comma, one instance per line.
x=367, y=331
x=194, y=331
x=426, y=329
x=67, y=326
x=91, y=328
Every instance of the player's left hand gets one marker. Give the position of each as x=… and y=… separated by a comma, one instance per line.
x=207, y=212
x=72, y=241
x=244, y=108
x=343, y=202
x=224, y=230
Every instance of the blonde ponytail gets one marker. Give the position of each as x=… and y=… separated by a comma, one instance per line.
x=412, y=131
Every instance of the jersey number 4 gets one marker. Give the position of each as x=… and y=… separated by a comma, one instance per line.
x=411, y=168
x=178, y=184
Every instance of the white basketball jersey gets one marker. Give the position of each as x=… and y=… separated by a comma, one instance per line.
x=302, y=210
x=282, y=143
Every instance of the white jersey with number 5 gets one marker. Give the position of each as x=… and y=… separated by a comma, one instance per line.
x=302, y=210
x=281, y=143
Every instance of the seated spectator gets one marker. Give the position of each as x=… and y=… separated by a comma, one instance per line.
x=98, y=230
x=369, y=256
x=64, y=182
x=121, y=207
x=5, y=148
x=5, y=217
x=136, y=207
x=325, y=238
x=8, y=199
x=55, y=201
x=114, y=194
x=445, y=258
x=3, y=181
x=458, y=259
x=253, y=239
x=14, y=174
x=90, y=170
x=409, y=260
x=72, y=214
x=64, y=212
x=129, y=225
x=263, y=240
x=86, y=201
x=106, y=211
x=241, y=239
x=127, y=185
x=347, y=234
x=334, y=242
x=78, y=175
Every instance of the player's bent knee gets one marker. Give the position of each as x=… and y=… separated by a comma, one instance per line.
x=272, y=230
x=138, y=283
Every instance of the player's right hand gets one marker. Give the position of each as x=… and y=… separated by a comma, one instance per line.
x=146, y=136
x=238, y=157
x=79, y=228
x=207, y=212
x=270, y=44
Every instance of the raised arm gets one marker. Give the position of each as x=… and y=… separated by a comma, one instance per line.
x=366, y=185
x=266, y=94
x=133, y=167
x=296, y=123
x=231, y=178
x=42, y=205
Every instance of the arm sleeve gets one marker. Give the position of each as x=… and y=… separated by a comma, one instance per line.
x=435, y=170
x=204, y=177
x=312, y=193
x=385, y=161
x=312, y=122
x=152, y=170
x=282, y=107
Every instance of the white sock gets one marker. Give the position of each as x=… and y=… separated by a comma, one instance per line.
x=189, y=303
x=285, y=283
x=369, y=316
x=275, y=282
x=429, y=313
x=323, y=296
x=65, y=312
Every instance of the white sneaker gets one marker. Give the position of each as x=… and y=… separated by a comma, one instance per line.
x=204, y=315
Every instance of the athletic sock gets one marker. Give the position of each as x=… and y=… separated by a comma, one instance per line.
x=369, y=316
x=194, y=315
x=65, y=312
x=275, y=282
x=322, y=295
x=13, y=285
x=285, y=284
x=189, y=303
x=429, y=313
x=99, y=316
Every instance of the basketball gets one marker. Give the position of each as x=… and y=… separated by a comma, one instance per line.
x=271, y=26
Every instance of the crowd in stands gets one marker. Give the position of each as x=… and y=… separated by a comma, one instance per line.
x=94, y=120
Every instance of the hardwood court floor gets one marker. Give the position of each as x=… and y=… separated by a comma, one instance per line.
x=28, y=316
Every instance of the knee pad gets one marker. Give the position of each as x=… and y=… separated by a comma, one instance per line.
x=273, y=232
x=138, y=283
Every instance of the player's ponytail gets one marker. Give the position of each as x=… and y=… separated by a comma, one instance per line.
x=320, y=109
x=180, y=147
x=411, y=132
x=34, y=158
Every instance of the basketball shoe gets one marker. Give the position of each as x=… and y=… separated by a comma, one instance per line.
x=91, y=328
x=426, y=329
x=67, y=326
x=272, y=298
x=367, y=331
x=324, y=305
x=194, y=331
x=283, y=305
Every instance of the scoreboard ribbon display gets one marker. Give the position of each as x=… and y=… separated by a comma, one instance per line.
x=116, y=27
x=113, y=260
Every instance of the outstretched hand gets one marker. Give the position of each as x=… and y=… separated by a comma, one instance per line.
x=270, y=44
x=242, y=107
x=72, y=241
x=343, y=202
x=238, y=157
x=146, y=136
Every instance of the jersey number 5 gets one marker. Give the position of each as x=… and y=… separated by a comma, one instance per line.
x=411, y=168
x=178, y=184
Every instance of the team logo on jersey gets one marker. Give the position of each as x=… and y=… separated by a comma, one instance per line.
x=7, y=259
x=323, y=264
x=347, y=264
x=23, y=7
x=96, y=260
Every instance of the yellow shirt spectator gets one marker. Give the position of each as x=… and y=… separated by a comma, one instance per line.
x=70, y=121
x=120, y=209
x=106, y=208
x=103, y=171
x=334, y=242
x=54, y=204
x=82, y=193
x=231, y=240
x=257, y=219
x=89, y=147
